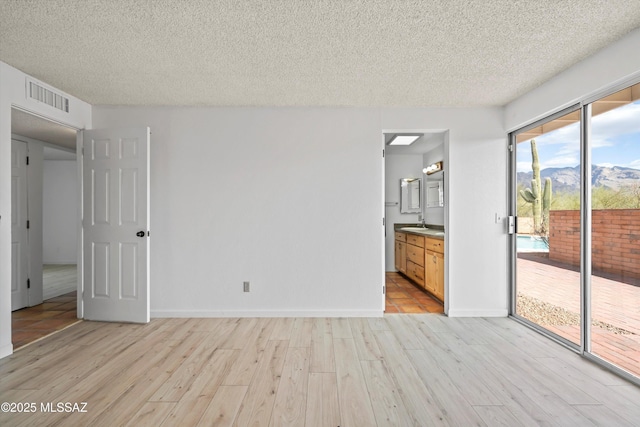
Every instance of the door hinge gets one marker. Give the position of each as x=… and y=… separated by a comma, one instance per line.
x=383, y=222
x=27, y=160
x=28, y=283
x=384, y=289
x=383, y=153
x=511, y=148
x=28, y=224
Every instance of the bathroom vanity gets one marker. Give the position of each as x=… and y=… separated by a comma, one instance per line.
x=419, y=255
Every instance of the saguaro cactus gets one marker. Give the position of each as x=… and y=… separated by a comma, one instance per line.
x=540, y=200
x=546, y=205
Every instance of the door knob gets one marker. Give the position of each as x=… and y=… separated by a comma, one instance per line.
x=140, y=234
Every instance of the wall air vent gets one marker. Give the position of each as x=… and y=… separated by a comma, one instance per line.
x=46, y=96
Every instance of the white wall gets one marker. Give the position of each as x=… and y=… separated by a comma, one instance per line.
x=269, y=195
x=12, y=93
x=398, y=166
x=59, y=222
x=289, y=199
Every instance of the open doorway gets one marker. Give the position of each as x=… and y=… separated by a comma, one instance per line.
x=50, y=257
x=59, y=222
x=414, y=277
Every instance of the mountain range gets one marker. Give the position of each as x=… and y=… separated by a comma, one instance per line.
x=568, y=179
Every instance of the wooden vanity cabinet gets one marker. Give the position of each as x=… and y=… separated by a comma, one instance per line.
x=434, y=262
x=421, y=259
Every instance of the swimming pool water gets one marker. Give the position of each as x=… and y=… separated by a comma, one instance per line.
x=531, y=244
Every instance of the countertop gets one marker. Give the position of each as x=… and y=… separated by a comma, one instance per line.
x=436, y=232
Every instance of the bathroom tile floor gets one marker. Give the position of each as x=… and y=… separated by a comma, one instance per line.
x=32, y=323
x=405, y=297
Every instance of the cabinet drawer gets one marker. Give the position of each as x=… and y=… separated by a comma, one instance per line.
x=435, y=245
x=415, y=254
x=401, y=236
x=415, y=272
x=415, y=240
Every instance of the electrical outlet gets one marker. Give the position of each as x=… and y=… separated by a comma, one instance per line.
x=245, y=286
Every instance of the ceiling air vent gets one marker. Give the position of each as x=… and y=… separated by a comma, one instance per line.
x=42, y=94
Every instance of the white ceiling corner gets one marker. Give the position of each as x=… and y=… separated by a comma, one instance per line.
x=305, y=52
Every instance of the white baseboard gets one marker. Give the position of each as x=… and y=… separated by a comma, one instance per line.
x=478, y=313
x=158, y=314
x=6, y=350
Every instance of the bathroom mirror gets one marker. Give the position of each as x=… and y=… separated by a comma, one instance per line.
x=434, y=185
x=410, y=191
x=435, y=194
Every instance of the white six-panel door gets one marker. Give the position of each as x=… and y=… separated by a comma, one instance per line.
x=19, y=243
x=116, y=225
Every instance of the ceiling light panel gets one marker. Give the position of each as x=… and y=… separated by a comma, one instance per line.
x=404, y=139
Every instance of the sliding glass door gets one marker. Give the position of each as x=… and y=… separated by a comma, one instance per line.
x=615, y=229
x=575, y=196
x=547, y=201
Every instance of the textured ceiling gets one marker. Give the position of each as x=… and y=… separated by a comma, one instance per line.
x=305, y=52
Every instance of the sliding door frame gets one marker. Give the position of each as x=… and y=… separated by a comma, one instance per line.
x=585, y=107
x=587, y=226
x=585, y=229
x=513, y=202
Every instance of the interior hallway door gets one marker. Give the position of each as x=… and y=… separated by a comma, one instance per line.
x=116, y=225
x=19, y=242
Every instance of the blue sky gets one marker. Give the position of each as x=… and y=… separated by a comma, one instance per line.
x=615, y=141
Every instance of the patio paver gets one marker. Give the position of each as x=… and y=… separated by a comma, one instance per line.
x=613, y=302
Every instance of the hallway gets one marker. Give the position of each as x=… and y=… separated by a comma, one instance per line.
x=58, y=310
x=33, y=323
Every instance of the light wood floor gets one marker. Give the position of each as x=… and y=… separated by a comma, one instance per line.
x=421, y=370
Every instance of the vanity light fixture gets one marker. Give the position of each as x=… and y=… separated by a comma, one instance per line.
x=404, y=139
x=432, y=168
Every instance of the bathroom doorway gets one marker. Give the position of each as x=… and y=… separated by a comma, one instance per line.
x=405, y=163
